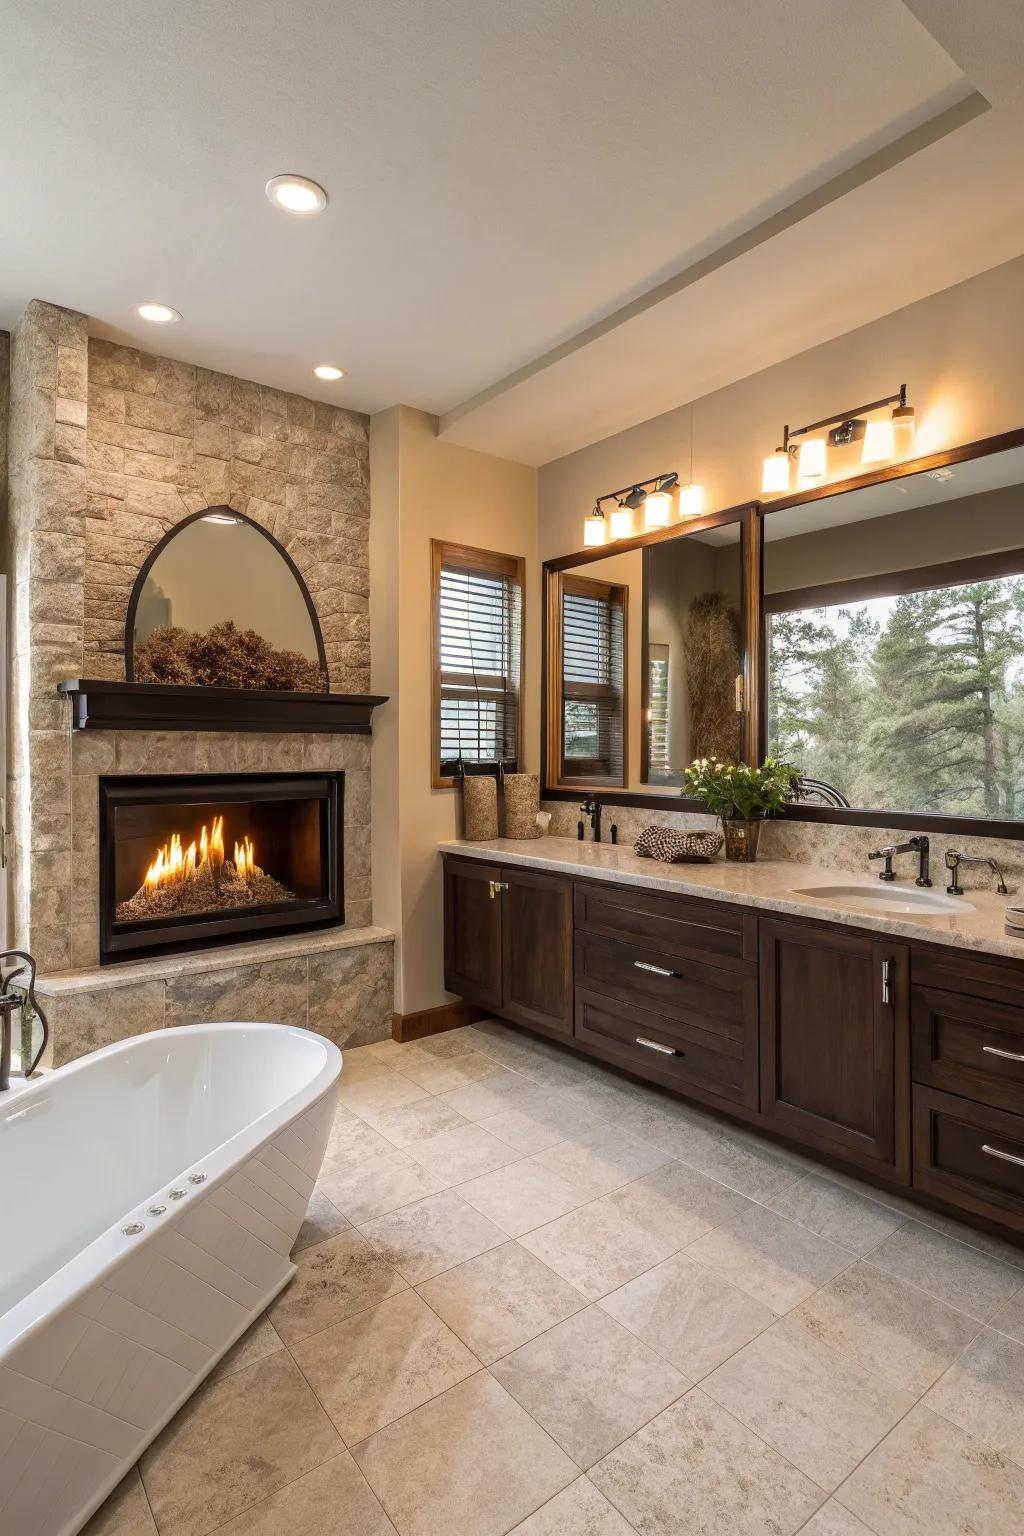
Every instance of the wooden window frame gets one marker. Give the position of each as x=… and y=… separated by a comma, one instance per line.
x=490, y=562
x=561, y=582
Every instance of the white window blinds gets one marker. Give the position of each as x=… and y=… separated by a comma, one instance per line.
x=479, y=650
x=593, y=672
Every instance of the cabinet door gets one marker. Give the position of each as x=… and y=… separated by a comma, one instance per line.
x=537, y=945
x=834, y=1041
x=472, y=931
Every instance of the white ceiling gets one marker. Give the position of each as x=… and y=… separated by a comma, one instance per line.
x=502, y=177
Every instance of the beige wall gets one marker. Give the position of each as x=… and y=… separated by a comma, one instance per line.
x=422, y=489
x=959, y=352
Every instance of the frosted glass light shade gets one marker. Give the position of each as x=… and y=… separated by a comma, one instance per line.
x=657, y=509
x=811, y=463
x=879, y=442
x=691, y=501
x=904, y=424
x=593, y=529
x=775, y=473
x=621, y=522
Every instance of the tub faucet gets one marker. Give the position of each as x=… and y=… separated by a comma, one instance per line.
x=919, y=845
x=12, y=1005
x=953, y=861
x=591, y=808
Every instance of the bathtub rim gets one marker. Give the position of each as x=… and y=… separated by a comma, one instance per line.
x=93, y=1263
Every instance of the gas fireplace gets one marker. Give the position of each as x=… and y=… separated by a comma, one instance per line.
x=195, y=859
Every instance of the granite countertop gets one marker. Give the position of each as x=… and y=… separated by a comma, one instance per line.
x=769, y=885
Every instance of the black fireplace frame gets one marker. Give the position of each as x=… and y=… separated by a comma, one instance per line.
x=160, y=936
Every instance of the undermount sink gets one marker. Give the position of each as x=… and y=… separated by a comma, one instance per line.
x=904, y=901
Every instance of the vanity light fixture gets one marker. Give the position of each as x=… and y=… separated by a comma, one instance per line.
x=881, y=439
x=657, y=509
x=653, y=495
x=157, y=314
x=328, y=371
x=296, y=194
x=621, y=522
x=691, y=501
x=594, y=531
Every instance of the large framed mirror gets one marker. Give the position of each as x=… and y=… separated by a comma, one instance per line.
x=893, y=642
x=650, y=649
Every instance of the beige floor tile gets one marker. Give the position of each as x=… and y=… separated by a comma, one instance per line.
x=234, y=1443
x=985, y=1242
x=258, y=1341
x=443, y=1074
x=470, y=1463
x=842, y=1215
x=378, y=1185
x=578, y=1510
x=887, y=1326
x=432, y=1235
x=387, y=1052
x=452, y=1042
x=600, y=1160
x=504, y=1091
x=332, y=1281
x=500, y=1300
x=520, y=1196
x=821, y=1411
x=590, y=1383
x=927, y=1478
x=833, y=1520
x=125, y=1513
x=596, y=1249
x=382, y=1363
x=962, y=1277
x=689, y=1314
x=323, y=1220
x=333, y=1500
x=678, y=1202
x=1010, y=1318
x=983, y=1392
x=416, y=1122
x=462, y=1154
x=673, y=1126
x=606, y=1097
x=534, y=1125
x=772, y=1259
x=697, y=1469
x=756, y=1168
x=360, y=1064
x=382, y=1090
x=353, y=1141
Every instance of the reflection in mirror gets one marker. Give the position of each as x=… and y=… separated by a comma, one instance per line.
x=222, y=605
x=894, y=640
x=646, y=650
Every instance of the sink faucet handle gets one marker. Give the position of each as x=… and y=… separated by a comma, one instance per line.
x=886, y=854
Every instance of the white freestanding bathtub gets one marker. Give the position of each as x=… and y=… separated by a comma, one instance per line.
x=150, y=1194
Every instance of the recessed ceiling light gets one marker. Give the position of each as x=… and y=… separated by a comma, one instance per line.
x=296, y=194
x=328, y=371
x=158, y=314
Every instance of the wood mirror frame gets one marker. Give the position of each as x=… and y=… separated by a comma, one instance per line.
x=552, y=788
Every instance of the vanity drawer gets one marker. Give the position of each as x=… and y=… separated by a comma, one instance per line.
x=675, y=925
x=667, y=1051
x=969, y=1046
x=970, y=1155
x=719, y=1001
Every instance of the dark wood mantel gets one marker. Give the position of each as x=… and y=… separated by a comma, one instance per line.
x=100, y=705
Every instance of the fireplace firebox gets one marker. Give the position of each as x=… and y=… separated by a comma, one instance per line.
x=197, y=859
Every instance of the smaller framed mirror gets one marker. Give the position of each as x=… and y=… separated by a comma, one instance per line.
x=220, y=604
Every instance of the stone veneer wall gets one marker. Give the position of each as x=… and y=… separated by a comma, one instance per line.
x=109, y=447
x=811, y=842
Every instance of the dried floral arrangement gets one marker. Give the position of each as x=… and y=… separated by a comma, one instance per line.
x=224, y=657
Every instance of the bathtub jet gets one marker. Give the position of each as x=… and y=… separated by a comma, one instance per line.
x=151, y=1194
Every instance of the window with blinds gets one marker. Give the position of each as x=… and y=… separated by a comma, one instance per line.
x=478, y=657
x=593, y=651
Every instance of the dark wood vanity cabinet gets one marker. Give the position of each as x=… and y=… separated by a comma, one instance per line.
x=508, y=942
x=833, y=1032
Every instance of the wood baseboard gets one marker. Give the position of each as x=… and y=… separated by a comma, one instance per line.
x=435, y=1021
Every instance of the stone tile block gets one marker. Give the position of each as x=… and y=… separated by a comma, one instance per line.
x=175, y=382
x=104, y=402
x=159, y=415
x=73, y=412
x=86, y=1021
x=274, y=992
x=155, y=751
x=213, y=395
x=351, y=994
x=69, y=445
x=213, y=439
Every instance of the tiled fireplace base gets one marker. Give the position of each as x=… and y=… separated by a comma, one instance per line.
x=338, y=982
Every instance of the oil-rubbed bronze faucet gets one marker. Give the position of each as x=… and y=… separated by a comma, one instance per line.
x=592, y=808
x=953, y=861
x=11, y=1005
x=919, y=845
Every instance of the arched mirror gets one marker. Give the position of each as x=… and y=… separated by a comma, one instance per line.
x=220, y=604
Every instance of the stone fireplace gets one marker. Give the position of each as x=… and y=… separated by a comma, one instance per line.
x=109, y=449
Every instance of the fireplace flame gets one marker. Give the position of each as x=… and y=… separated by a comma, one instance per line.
x=174, y=865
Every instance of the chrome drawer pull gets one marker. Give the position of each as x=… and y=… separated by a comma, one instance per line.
x=655, y=1045
x=993, y=1050
x=1006, y=1157
x=657, y=970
